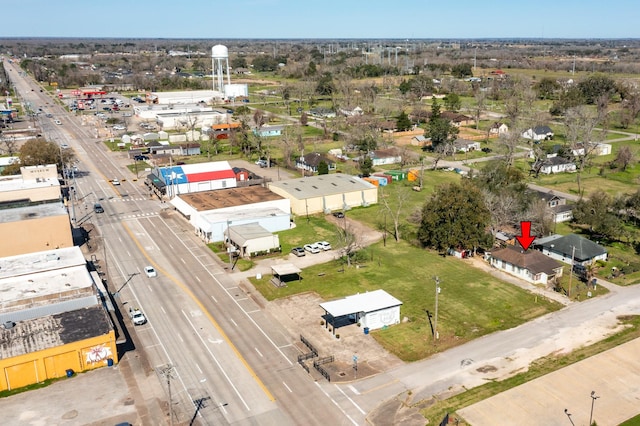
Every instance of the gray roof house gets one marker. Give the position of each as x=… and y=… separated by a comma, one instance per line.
x=310, y=162
x=538, y=133
x=562, y=248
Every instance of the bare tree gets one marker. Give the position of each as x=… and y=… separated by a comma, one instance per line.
x=348, y=241
x=395, y=208
x=580, y=124
x=624, y=157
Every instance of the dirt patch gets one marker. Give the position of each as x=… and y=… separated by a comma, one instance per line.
x=302, y=315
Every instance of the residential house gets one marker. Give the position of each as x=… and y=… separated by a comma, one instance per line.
x=222, y=131
x=157, y=148
x=572, y=246
x=465, y=145
x=457, y=119
x=268, y=131
x=561, y=211
x=498, y=128
x=420, y=140
x=385, y=156
x=529, y=265
x=538, y=133
x=553, y=165
x=352, y=112
x=322, y=112
x=310, y=162
x=389, y=126
x=191, y=148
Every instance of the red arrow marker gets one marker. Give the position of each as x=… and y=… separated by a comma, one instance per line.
x=525, y=239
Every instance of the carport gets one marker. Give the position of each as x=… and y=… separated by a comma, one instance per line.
x=284, y=271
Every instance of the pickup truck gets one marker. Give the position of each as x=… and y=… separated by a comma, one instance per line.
x=137, y=316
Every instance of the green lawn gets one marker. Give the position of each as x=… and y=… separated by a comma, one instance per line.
x=471, y=303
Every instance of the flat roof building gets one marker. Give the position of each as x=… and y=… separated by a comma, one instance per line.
x=34, y=228
x=53, y=321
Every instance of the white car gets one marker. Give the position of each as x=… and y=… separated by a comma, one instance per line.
x=58, y=122
x=118, y=127
x=115, y=182
x=150, y=271
x=312, y=248
x=323, y=245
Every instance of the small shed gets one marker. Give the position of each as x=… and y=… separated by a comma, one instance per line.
x=284, y=273
x=373, y=310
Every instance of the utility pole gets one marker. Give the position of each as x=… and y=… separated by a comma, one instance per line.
x=167, y=371
x=436, y=336
x=573, y=253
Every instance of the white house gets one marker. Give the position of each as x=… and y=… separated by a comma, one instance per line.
x=372, y=310
x=571, y=247
x=529, y=265
x=498, y=128
x=538, y=133
x=382, y=157
x=553, y=165
x=465, y=145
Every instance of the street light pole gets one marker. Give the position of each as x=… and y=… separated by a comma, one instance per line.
x=593, y=400
x=569, y=416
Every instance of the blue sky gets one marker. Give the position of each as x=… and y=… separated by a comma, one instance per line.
x=373, y=19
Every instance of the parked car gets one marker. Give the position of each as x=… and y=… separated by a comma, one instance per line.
x=312, y=248
x=262, y=163
x=140, y=157
x=339, y=215
x=58, y=122
x=298, y=251
x=150, y=271
x=137, y=316
x=323, y=245
x=119, y=127
x=97, y=207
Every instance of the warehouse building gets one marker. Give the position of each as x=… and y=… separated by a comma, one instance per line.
x=53, y=323
x=326, y=193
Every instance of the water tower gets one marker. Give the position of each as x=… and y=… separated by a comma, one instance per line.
x=220, y=64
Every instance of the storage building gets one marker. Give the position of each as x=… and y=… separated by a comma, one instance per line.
x=326, y=193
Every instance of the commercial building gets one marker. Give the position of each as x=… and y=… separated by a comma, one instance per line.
x=34, y=184
x=372, y=310
x=325, y=193
x=212, y=212
x=34, y=228
x=53, y=321
x=189, y=178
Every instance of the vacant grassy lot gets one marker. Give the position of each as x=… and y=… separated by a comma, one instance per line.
x=471, y=303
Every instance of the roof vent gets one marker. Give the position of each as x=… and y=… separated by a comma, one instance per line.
x=9, y=325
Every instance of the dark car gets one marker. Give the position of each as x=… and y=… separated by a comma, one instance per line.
x=298, y=251
x=97, y=207
x=339, y=215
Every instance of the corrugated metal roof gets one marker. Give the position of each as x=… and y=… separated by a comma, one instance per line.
x=318, y=186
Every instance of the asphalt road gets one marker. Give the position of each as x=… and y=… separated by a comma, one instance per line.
x=229, y=354
x=230, y=362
